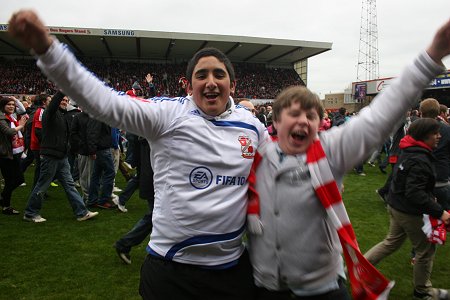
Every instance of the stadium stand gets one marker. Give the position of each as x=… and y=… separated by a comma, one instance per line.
x=254, y=81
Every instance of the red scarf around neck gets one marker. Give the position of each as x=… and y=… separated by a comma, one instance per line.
x=366, y=282
x=18, y=144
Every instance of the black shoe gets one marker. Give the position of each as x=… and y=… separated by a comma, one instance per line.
x=383, y=170
x=9, y=211
x=125, y=257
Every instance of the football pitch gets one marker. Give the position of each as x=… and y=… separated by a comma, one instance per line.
x=66, y=259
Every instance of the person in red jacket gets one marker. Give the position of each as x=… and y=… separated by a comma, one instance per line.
x=36, y=132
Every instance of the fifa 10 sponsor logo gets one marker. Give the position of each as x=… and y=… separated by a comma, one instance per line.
x=202, y=177
x=230, y=180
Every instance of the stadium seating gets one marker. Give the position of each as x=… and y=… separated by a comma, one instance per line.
x=254, y=81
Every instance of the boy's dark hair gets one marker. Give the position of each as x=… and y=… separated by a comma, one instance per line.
x=4, y=101
x=40, y=99
x=296, y=94
x=342, y=111
x=205, y=52
x=421, y=128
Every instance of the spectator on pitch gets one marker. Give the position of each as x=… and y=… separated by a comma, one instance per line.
x=115, y=152
x=182, y=87
x=394, y=153
x=202, y=151
x=99, y=142
x=136, y=91
x=262, y=115
x=11, y=149
x=29, y=158
x=430, y=108
x=43, y=101
x=248, y=105
x=132, y=139
x=296, y=182
x=269, y=115
x=54, y=147
x=141, y=158
x=443, y=113
x=410, y=196
x=79, y=144
x=339, y=117
x=377, y=156
x=414, y=115
x=325, y=124
x=144, y=181
x=72, y=110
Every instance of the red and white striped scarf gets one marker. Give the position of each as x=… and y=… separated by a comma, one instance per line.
x=18, y=145
x=434, y=229
x=367, y=283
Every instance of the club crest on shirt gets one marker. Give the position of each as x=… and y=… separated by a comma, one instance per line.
x=246, y=147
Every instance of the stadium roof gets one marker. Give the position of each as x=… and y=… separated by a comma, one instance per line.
x=170, y=46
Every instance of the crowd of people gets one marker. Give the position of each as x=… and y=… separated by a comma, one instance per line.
x=238, y=179
x=254, y=81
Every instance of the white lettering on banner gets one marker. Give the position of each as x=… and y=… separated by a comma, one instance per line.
x=438, y=82
x=3, y=27
x=118, y=32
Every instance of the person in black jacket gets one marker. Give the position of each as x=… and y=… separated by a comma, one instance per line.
x=99, y=141
x=72, y=111
x=54, y=162
x=410, y=196
x=430, y=108
x=79, y=145
x=144, y=181
x=339, y=117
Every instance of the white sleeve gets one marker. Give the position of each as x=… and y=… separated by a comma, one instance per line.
x=20, y=109
x=116, y=109
x=352, y=142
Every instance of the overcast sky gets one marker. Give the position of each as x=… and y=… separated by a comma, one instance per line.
x=405, y=27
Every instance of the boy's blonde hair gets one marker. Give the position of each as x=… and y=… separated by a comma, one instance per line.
x=296, y=94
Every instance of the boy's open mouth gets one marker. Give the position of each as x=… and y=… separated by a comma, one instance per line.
x=299, y=135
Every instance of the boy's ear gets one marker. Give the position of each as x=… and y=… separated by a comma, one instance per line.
x=274, y=124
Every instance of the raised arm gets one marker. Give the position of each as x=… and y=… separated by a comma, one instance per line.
x=61, y=67
x=440, y=46
x=20, y=109
x=26, y=26
x=149, y=79
x=351, y=142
